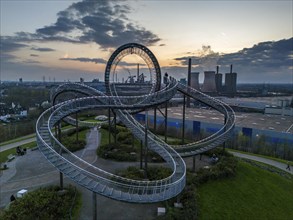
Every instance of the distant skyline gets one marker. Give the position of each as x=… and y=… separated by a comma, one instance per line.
x=67, y=40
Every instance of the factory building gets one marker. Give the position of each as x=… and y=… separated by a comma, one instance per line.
x=213, y=82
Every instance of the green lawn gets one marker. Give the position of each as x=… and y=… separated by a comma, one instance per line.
x=253, y=194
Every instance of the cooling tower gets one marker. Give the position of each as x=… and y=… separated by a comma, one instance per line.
x=194, y=83
x=209, y=83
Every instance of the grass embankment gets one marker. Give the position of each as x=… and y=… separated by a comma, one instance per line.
x=4, y=155
x=263, y=156
x=252, y=194
x=69, y=140
x=18, y=139
x=45, y=203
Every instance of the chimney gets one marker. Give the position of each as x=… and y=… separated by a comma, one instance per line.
x=188, y=81
x=137, y=72
x=189, y=72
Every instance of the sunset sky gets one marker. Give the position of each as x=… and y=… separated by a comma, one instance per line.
x=66, y=40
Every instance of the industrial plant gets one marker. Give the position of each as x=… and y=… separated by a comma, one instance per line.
x=213, y=81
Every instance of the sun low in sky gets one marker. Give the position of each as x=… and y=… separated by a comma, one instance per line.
x=67, y=40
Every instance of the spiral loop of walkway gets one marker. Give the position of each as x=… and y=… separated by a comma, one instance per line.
x=108, y=184
x=116, y=187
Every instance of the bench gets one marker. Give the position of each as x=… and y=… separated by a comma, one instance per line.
x=10, y=157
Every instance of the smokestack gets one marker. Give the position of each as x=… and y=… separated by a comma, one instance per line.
x=231, y=67
x=189, y=72
x=188, y=81
x=217, y=69
x=137, y=72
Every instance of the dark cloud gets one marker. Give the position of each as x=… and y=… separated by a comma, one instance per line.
x=5, y=57
x=102, y=22
x=9, y=45
x=34, y=55
x=263, y=55
x=86, y=60
x=29, y=61
x=42, y=49
x=123, y=64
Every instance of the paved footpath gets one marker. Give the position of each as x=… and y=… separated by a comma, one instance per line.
x=273, y=163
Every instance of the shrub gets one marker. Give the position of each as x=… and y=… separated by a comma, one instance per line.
x=124, y=137
x=74, y=145
x=226, y=167
x=153, y=173
x=45, y=203
x=116, y=152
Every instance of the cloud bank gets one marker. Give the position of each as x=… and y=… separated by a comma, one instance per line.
x=103, y=22
x=271, y=60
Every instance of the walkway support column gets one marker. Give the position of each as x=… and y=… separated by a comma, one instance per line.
x=146, y=144
x=94, y=206
x=109, y=125
x=76, y=124
x=60, y=152
x=155, y=119
x=61, y=180
x=183, y=120
x=166, y=121
x=225, y=121
x=59, y=132
x=193, y=163
x=115, y=136
x=141, y=154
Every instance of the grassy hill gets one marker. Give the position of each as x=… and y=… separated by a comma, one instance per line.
x=253, y=194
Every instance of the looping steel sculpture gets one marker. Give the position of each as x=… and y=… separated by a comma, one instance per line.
x=141, y=51
x=105, y=183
